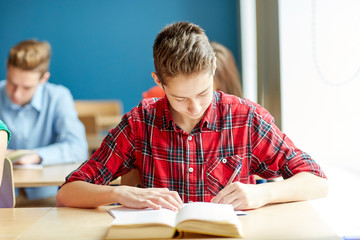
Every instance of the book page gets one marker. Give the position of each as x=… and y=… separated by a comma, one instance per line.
x=130, y=216
x=207, y=212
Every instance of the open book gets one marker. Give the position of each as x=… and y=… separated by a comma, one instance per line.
x=194, y=218
x=15, y=155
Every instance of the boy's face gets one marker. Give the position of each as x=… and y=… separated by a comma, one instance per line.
x=189, y=96
x=21, y=84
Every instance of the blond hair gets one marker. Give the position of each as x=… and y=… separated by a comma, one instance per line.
x=227, y=77
x=182, y=48
x=30, y=55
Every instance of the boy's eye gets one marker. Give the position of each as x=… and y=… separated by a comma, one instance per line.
x=204, y=93
x=179, y=99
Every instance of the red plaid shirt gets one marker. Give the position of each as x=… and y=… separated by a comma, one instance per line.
x=198, y=165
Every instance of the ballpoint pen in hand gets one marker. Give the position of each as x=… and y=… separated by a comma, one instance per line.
x=234, y=174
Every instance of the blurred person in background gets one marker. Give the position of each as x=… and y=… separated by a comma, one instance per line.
x=40, y=115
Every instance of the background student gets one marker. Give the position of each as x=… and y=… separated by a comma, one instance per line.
x=40, y=115
x=227, y=77
x=4, y=139
x=187, y=145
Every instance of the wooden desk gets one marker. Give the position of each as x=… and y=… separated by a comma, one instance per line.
x=46, y=176
x=297, y=220
x=281, y=221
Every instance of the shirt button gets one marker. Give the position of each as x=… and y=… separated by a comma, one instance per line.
x=191, y=169
x=189, y=138
x=224, y=160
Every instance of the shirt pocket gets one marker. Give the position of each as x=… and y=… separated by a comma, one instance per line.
x=220, y=170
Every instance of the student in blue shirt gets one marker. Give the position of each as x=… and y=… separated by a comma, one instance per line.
x=40, y=115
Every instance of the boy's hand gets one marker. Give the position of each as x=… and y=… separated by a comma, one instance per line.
x=155, y=198
x=29, y=159
x=241, y=196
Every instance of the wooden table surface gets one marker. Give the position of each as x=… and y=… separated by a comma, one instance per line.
x=280, y=221
x=46, y=176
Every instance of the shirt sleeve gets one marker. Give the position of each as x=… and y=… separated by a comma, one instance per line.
x=114, y=158
x=273, y=153
x=4, y=128
x=70, y=143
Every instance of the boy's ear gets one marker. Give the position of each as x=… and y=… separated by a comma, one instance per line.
x=214, y=66
x=156, y=79
x=45, y=77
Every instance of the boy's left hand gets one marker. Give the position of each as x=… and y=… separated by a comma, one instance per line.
x=29, y=159
x=241, y=196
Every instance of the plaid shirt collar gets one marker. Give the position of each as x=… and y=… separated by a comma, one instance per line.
x=208, y=121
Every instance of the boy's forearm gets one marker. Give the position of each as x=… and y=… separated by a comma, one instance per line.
x=84, y=195
x=87, y=195
x=302, y=186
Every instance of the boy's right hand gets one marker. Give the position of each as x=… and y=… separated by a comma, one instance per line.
x=154, y=198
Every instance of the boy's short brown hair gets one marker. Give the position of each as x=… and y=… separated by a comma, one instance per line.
x=30, y=55
x=182, y=48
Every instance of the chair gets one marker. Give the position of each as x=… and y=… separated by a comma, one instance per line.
x=131, y=178
x=98, y=117
x=7, y=191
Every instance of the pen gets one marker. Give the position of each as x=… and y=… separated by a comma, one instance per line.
x=234, y=174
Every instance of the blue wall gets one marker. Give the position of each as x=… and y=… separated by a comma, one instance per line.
x=103, y=49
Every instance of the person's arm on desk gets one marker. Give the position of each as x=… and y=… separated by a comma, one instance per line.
x=87, y=195
x=29, y=159
x=87, y=187
x=302, y=186
x=273, y=155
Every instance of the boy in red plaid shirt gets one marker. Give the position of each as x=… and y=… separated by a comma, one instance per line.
x=195, y=144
